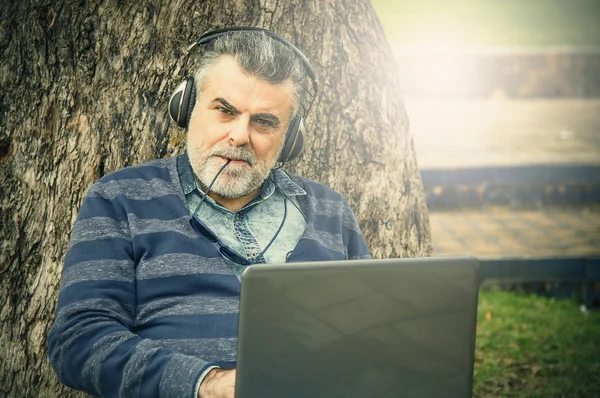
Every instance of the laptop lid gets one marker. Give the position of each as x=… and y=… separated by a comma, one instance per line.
x=361, y=328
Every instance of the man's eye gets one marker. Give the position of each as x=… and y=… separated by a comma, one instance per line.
x=264, y=122
x=224, y=110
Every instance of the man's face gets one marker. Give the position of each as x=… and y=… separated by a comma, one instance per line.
x=237, y=117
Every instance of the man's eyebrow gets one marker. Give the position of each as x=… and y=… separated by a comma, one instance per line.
x=227, y=105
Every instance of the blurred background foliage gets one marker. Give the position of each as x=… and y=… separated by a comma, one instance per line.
x=523, y=23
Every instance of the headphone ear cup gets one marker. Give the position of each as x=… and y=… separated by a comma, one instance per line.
x=175, y=102
x=182, y=103
x=294, y=140
x=190, y=105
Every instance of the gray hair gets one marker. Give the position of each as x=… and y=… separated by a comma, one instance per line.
x=258, y=55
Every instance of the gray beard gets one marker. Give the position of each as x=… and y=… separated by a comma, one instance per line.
x=234, y=181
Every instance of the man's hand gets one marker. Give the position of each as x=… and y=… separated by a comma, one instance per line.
x=218, y=383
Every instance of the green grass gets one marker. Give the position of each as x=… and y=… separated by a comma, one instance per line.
x=521, y=23
x=531, y=346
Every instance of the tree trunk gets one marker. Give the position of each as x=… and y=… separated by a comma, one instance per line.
x=83, y=92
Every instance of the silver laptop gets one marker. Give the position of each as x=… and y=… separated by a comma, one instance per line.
x=363, y=328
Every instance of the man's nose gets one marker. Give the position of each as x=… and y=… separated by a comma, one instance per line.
x=240, y=131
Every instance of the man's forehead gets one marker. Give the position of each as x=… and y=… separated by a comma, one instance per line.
x=226, y=79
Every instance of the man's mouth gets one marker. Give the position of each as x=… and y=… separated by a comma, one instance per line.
x=233, y=160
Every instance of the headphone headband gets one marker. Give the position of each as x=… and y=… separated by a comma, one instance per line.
x=213, y=34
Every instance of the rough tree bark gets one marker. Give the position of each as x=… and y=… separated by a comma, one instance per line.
x=83, y=91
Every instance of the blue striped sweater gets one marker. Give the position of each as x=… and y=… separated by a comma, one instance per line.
x=146, y=304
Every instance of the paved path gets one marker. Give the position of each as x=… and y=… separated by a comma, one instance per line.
x=504, y=232
x=476, y=133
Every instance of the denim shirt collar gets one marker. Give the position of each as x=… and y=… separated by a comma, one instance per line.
x=186, y=174
x=277, y=176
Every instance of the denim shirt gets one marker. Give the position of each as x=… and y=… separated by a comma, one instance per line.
x=249, y=230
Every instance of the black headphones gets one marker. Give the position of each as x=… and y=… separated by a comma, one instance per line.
x=183, y=99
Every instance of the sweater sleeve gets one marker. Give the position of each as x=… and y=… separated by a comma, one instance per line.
x=355, y=243
x=92, y=344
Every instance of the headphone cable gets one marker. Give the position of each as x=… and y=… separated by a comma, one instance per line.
x=208, y=188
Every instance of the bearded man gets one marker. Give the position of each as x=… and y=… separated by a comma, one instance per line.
x=150, y=288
